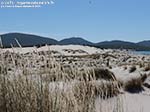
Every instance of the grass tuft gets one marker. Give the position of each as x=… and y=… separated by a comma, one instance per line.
x=135, y=85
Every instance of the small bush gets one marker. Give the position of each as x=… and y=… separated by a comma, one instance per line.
x=134, y=85
x=132, y=69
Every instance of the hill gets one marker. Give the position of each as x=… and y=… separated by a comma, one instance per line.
x=25, y=40
x=75, y=41
x=117, y=44
x=144, y=43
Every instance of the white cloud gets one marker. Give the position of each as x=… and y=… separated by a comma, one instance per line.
x=52, y=2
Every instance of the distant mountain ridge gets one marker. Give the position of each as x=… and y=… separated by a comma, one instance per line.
x=144, y=43
x=117, y=44
x=75, y=41
x=28, y=40
x=25, y=40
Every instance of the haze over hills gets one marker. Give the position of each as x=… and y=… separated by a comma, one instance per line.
x=27, y=40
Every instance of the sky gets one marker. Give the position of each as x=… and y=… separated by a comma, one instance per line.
x=94, y=20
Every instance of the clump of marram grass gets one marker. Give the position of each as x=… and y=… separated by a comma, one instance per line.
x=17, y=95
x=132, y=69
x=30, y=93
x=85, y=96
x=135, y=85
x=91, y=89
x=98, y=74
x=24, y=95
x=104, y=74
x=107, y=89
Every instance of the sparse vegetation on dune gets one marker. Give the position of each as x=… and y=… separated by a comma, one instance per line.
x=42, y=82
x=37, y=90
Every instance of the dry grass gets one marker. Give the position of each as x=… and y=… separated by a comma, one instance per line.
x=104, y=74
x=36, y=82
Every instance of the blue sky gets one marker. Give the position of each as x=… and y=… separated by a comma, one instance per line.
x=94, y=20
